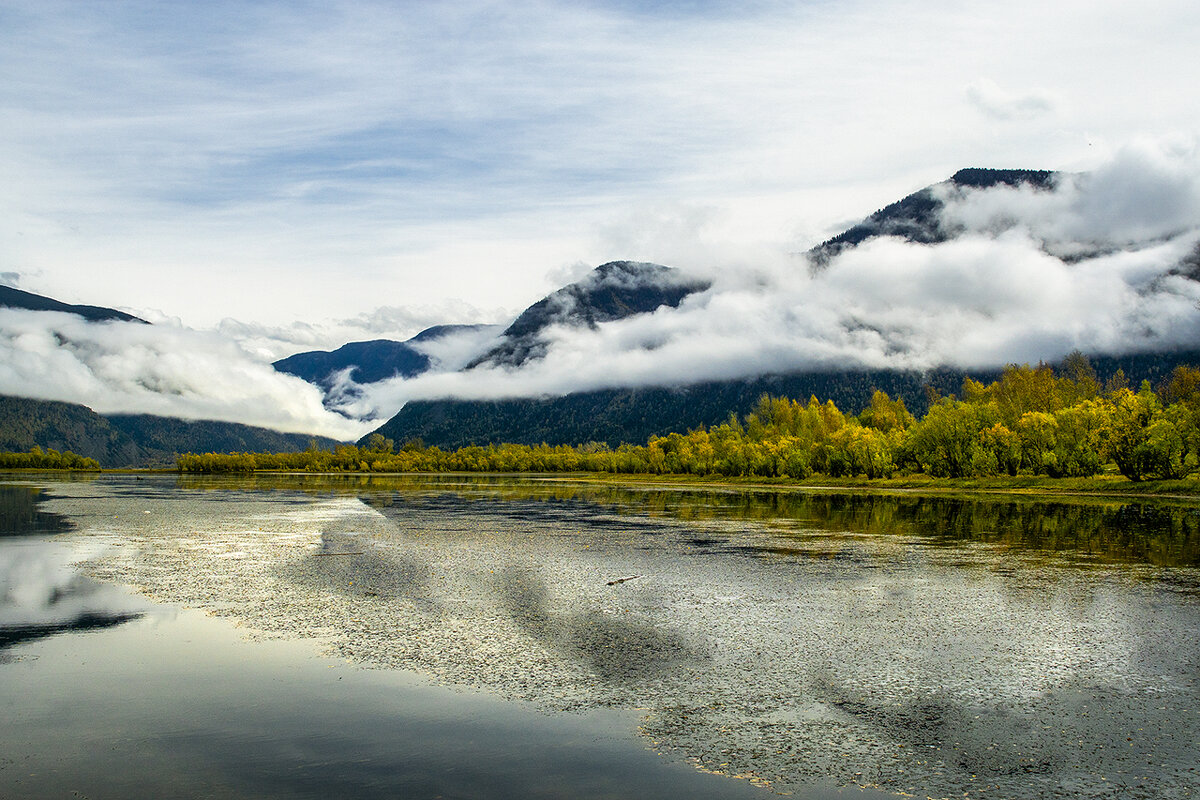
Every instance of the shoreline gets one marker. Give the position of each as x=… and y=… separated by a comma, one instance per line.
x=1107, y=487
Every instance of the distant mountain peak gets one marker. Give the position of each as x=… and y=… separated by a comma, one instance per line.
x=614, y=290
x=370, y=361
x=917, y=217
x=28, y=301
x=981, y=178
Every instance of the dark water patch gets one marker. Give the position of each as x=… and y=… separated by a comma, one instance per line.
x=184, y=709
x=12, y=635
x=21, y=516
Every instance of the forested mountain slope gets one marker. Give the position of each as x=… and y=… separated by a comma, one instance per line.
x=136, y=440
x=614, y=416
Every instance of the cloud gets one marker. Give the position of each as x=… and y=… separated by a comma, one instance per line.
x=453, y=351
x=269, y=343
x=153, y=369
x=1030, y=275
x=285, y=160
x=999, y=104
x=1145, y=192
x=403, y=322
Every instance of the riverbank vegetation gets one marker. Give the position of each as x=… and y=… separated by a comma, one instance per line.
x=40, y=459
x=1031, y=422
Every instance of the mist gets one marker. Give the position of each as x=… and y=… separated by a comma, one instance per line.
x=1099, y=264
x=131, y=368
x=1105, y=262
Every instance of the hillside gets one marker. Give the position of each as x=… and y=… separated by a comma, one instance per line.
x=130, y=440
x=64, y=426
x=160, y=439
x=15, y=298
x=614, y=416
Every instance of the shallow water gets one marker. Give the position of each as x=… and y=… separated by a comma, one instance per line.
x=800, y=640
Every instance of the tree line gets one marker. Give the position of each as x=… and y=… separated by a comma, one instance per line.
x=1030, y=421
x=37, y=458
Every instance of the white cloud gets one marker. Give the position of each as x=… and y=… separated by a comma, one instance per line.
x=1145, y=192
x=995, y=294
x=1003, y=105
x=133, y=368
x=282, y=161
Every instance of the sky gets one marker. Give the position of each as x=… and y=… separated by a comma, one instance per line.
x=269, y=177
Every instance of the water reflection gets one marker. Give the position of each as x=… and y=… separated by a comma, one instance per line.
x=1099, y=530
x=936, y=646
x=20, y=515
x=42, y=594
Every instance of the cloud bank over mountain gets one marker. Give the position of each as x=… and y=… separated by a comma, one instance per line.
x=1106, y=261
x=157, y=154
x=132, y=368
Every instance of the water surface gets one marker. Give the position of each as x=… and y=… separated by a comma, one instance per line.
x=801, y=640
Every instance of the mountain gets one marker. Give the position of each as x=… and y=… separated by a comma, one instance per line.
x=631, y=415
x=15, y=298
x=611, y=291
x=371, y=361
x=131, y=440
x=917, y=217
x=614, y=416
x=63, y=426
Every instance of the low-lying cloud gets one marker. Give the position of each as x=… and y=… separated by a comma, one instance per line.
x=129, y=368
x=1106, y=262
x=1031, y=274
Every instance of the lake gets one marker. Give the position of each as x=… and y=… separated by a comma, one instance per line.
x=495, y=637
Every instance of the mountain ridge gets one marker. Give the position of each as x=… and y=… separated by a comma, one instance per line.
x=631, y=414
x=11, y=297
x=368, y=361
x=914, y=217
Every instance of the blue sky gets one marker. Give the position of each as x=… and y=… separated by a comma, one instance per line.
x=390, y=164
